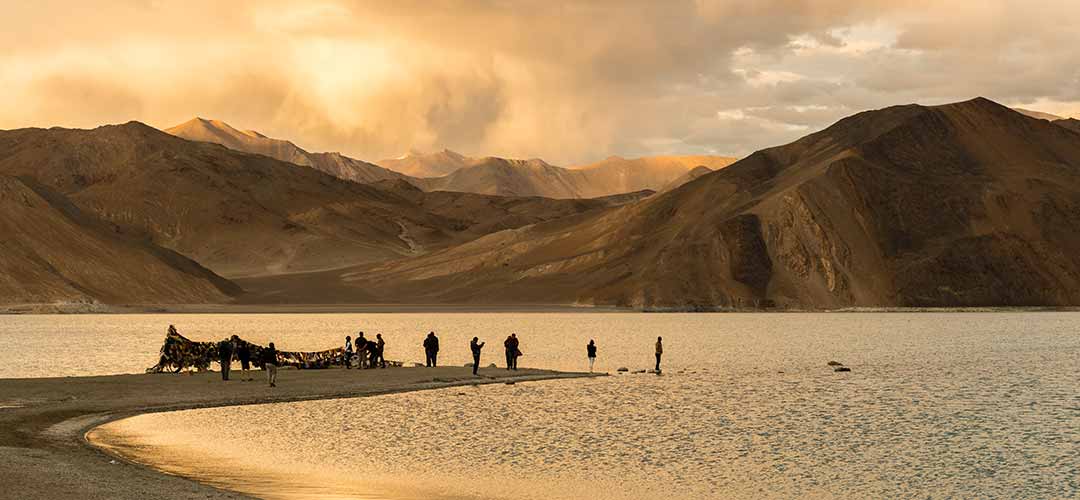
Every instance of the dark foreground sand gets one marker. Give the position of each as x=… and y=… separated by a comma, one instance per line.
x=44, y=454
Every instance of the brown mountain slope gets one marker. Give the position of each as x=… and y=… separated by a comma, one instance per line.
x=696, y=172
x=1037, y=114
x=52, y=252
x=336, y=164
x=428, y=165
x=233, y=212
x=499, y=176
x=1069, y=123
x=968, y=204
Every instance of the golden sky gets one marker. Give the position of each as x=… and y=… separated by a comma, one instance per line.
x=569, y=81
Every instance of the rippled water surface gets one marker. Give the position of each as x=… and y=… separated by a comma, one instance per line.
x=936, y=405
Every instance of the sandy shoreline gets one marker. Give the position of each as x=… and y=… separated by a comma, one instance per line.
x=43, y=421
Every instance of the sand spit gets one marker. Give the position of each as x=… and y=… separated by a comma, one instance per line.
x=43, y=422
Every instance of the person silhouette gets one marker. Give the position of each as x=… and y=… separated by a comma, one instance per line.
x=475, y=346
x=590, y=351
x=659, y=352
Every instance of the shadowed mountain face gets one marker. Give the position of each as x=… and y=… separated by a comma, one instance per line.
x=235, y=213
x=1069, y=123
x=968, y=204
x=250, y=141
x=53, y=252
x=694, y=173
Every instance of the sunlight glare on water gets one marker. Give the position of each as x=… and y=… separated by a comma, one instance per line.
x=937, y=405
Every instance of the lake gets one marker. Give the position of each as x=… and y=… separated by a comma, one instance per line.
x=937, y=405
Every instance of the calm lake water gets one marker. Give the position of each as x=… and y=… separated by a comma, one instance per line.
x=942, y=405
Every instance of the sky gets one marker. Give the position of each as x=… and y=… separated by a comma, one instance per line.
x=568, y=81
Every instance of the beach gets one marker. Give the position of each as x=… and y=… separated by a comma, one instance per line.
x=43, y=421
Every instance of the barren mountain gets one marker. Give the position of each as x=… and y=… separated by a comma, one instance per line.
x=650, y=172
x=52, y=252
x=967, y=204
x=1069, y=123
x=696, y=172
x=233, y=212
x=428, y=165
x=336, y=164
x=1037, y=114
x=499, y=176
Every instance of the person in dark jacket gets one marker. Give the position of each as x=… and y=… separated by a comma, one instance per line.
x=373, y=353
x=590, y=350
x=431, y=349
x=512, y=352
x=659, y=352
x=476, y=346
x=361, y=349
x=225, y=355
x=269, y=362
x=380, y=346
x=243, y=352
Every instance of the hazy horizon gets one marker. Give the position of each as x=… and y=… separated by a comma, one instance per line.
x=570, y=82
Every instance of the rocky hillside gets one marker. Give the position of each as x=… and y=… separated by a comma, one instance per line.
x=967, y=204
x=52, y=252
x=250, y=141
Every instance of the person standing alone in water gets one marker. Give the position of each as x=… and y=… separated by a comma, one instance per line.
x=590, y=350
x=269, y=362
x=659, y=352
x=476, y=346
x=431, y=349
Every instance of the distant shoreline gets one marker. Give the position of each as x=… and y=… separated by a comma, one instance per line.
x=93, y=308
x=44, y=422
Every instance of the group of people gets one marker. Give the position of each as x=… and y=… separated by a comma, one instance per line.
x=234, y=348
x=368, y=353
x=511, y=344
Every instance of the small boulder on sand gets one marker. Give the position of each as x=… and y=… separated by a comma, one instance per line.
x=623, y=369
x=834, y=363
x=841, y=369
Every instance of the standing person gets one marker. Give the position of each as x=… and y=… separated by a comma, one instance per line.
x=512, y=351
x=476, y=346
x=361, y=349
x=348, y=352
x=269, y=361
x=380, y=346
x=508, y=345
x=243, y=351
x=225, y=353
x=659, y=352
x=431, y=348
x=590, y=350
x=373, y=353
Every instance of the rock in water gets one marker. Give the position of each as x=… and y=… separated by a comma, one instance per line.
x=841, y=369
x=835, y=363
x=623, y=369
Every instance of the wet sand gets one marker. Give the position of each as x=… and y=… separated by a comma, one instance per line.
x=43, y=421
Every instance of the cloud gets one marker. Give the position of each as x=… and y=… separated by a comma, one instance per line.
x=568, y=81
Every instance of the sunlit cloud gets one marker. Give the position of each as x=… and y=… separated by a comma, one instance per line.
x=567, y=81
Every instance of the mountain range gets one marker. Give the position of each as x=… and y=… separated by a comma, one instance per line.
x=965, y=204
x=449, y=171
